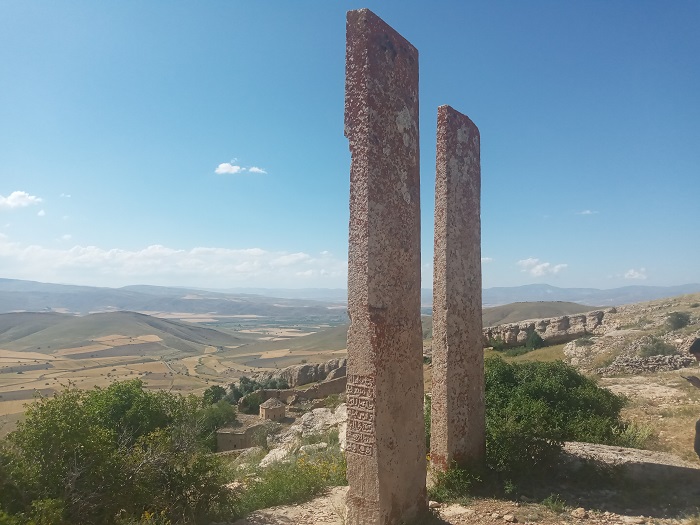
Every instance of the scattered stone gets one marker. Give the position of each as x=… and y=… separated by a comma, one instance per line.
x=315, y=447
x=434, y=504
x=275, y=455
x=579, y=513
x=509, y=518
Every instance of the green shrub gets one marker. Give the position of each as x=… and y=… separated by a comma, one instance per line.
x=554, y=503
x=677, y=320
x=532, y=408
x=497, y=344
x=516, y=351
x=453, y=485
x=333, y=401
x=82, y=457
x=251, y=403
x=214, y=394
x=290, y=482
x=534, y=341
x=656, y=346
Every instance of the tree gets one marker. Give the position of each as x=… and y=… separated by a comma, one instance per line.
x=80, y=457
x=534, y=341
x=214, y=394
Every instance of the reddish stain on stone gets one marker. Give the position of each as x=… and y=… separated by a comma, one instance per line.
x=457, y=431
x=387, y=480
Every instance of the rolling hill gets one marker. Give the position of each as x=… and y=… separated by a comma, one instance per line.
x=47, y=331
x=516, y=312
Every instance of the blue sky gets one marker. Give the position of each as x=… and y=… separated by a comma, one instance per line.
x=201, y=143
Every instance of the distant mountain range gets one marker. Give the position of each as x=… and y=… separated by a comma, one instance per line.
x=590, y=296
x=310, y=303
x=30, y=296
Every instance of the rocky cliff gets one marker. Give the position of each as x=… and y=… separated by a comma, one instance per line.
x=298, y=375
x=554, y=330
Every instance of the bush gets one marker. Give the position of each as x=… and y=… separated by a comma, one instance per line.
x=532, y=408
x=247, y=386
x=82, y=457
x=452, y=485
x=677, y=320
x=497, y=344
x=584, y=341
x=534, y=341
x=656, y=346
x=251, y=403
x=289, y=482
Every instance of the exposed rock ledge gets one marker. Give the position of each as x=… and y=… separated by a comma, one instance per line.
x=297, y=375
x=554, y=330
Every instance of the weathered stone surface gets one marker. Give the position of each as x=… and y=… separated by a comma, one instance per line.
x=554, y=330
x=385, y=446
x=458, y=431
x=298, y=375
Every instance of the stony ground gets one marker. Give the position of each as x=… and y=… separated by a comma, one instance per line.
x=655, y=488
x=628, y=486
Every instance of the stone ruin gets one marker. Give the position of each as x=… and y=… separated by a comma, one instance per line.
x=385, y=449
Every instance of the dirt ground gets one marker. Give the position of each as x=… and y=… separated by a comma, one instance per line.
x=600, y=484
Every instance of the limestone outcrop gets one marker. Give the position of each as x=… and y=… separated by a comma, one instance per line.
x=298, y=375
x=554, y=330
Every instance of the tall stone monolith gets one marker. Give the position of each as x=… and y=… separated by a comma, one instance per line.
x=385, y=450
x=457, y=431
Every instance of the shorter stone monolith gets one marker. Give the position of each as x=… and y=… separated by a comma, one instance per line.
x=457, y=412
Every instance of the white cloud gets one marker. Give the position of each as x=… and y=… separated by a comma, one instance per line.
x=289, y=259
x=41, y=213
x=201, y=266
x=536, y=268
x=485, y=260
x=587, y=212
x=18, y=199
x=66, y=237
x=65, y=195
x=228, y=168
x=640, y=274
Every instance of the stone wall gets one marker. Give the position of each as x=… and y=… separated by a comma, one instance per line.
x=292, y=395
x=236, y=439
x=554, y=330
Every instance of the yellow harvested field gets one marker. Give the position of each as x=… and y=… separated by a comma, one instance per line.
x=13, y=355
x=13, y=407
x=290, y=332
x=214, y=364
x=149, y=338
x=271, y=354
x=109, y=337
x=154, y=367
x=82, y=349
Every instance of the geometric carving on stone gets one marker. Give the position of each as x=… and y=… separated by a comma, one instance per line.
x=386, y=465
x=457, y=415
